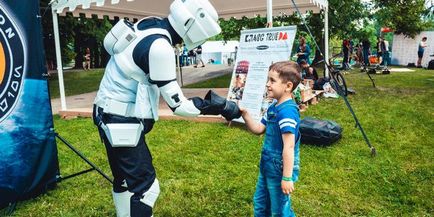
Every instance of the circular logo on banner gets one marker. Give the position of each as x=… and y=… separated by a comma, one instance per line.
x=12, y=61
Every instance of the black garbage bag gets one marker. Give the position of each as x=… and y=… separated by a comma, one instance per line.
x=319, y=132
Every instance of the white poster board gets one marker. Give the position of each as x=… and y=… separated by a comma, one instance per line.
x=258, y=49
x=404, y=49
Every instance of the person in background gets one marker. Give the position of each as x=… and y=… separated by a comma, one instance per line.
x=184, y=56
x=385, y=48
x=177, y=55
x=379, y=50
x=191, y=57
x=199, y=56
x=280, y=158
x=351, y=51
x=420, y=51
x=366, y=51
x=303, y=51
x=346, y=53
x=359, y=54
x=86, y=62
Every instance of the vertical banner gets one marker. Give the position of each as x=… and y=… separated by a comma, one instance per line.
x=28, y=153
x=258, y=49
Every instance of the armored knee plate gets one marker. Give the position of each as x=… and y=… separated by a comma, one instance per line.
x=151, y=195
x=122, y=203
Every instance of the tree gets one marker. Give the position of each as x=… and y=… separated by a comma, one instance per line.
x=76, y=33
x=346, y=18
x=231, y=28
x=90, y=33
x=404, y=16
x=48, y=37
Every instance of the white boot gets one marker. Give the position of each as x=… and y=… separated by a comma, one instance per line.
x=122, y=203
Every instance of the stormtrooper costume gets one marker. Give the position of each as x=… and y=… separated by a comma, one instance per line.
x=142, y=66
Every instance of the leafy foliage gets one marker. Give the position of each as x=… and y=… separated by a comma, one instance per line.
x=404, y=16
x=76, y=34
x=349, y=18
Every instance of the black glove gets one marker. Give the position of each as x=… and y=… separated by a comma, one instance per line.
x=214, y=104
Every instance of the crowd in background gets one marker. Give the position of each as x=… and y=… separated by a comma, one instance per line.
x=192, y=57
x=363, y=54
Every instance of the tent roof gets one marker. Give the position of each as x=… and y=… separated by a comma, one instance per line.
x=142, y=8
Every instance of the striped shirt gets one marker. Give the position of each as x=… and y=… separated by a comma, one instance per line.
x=288, y=116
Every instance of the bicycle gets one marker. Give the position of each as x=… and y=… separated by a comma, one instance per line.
x=336, y=78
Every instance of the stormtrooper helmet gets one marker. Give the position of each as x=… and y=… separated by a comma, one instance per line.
x=194, y=20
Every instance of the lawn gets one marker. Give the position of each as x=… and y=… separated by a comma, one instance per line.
x=210, y=169
x=76, y=82
x=218, y=82
x=80, y=81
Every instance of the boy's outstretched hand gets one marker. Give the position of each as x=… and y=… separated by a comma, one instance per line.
x=287, y=187
x=242, y=110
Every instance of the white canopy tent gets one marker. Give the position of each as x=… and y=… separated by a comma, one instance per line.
x=141, y=8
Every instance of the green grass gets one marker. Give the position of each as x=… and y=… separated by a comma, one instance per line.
x=209, y=169
x=218, y=82
x=80, y=81
x=76, y=82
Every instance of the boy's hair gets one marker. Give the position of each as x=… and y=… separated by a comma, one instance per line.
x=424, y=38
x=288, y=71
x=302, y=62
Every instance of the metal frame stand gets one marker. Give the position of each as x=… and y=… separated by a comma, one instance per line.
x=11, y=208
x=372, y=80
x=93, y=166
x=372, y=148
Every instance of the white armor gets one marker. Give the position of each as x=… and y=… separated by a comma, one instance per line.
x=126, y=90
x=122, y=203
x=162, y=67
x=194, y=20
x=151, y=195
x=122, y=199
x=121, y=46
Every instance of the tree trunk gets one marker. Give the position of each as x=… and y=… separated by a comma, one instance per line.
x=95, y=61
x=78, y=45
x=318, y=57
x=104, y=56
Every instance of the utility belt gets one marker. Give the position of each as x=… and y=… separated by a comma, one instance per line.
x=145, y=106
x=123, y=135
x=114, y=107
x=119, y=134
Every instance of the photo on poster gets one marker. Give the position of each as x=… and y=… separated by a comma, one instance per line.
x=258, y=49
x=238, y=84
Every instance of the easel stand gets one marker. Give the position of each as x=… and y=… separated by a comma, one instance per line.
x=93, y=166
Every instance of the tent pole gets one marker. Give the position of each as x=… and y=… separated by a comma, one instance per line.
x=269, y=13
x=326, y=39
x=59, y=59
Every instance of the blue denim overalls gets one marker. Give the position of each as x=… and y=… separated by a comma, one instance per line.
x=269, y=199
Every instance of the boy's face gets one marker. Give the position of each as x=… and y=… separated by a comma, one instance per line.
x=276, y=88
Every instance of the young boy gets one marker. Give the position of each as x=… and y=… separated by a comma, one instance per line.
x=280, y=161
